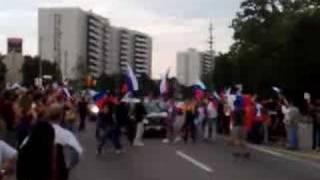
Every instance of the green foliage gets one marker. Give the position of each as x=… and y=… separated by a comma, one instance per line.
x=275, y=44
x=30, y=70
x=147, y=85
x=108, y=82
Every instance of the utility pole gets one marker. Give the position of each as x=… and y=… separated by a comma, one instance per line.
x=40, y=62
x=65, y=65
x=211, y=42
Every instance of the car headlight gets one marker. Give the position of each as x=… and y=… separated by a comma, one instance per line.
x=145, y=121
x=94, y=109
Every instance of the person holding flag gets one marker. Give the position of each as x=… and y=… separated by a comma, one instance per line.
x=164, y=86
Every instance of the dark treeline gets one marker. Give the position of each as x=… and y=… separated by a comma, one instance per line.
x=276, y=44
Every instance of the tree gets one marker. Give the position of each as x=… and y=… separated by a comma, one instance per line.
x=3, y=71
x=147, y=85
x=30, y=69
x=275, y=44
x=108, y=82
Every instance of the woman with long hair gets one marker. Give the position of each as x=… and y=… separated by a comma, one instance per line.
x=36, y=155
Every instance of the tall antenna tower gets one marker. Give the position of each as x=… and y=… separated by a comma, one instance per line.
x=211, y=42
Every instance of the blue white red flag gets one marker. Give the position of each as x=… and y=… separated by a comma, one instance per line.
x=131, y=80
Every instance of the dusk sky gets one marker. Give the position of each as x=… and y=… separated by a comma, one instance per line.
x=174, y=25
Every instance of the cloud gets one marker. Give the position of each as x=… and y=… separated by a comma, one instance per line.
x=174, y=25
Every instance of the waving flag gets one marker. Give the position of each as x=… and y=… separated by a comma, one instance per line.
x=199, y=87
x=276, y=89
x=131, y=80
x=66, y=92
x=100, y=98
x=63, y=93
x=215, y=94
x=164, y=83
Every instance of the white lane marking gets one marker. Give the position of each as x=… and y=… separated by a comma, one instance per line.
x=266, y=150
x=194, y=161
x=313, y=164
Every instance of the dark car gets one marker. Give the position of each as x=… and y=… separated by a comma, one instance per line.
x=154, y=122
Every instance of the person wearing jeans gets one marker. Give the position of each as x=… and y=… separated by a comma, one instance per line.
x=292, y=117
x=212, y=115
x=170, y=121
x=189, y=124
x=106, y=129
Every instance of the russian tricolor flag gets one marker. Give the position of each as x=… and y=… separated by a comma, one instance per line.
x=131, y=80
x=199, y=87
x=100, y=99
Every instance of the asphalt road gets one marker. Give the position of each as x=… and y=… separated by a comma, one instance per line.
x=201, y=161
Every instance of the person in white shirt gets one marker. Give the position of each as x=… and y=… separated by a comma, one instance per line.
x=211, y=116
x=7, y=159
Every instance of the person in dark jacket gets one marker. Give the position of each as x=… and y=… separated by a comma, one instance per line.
x=106, y=129
x=83, y=111
x=122, y=120
x=36, y=156
x=24, y=126
x=139, y=115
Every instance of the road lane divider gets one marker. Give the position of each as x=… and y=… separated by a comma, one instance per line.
x=194, y=161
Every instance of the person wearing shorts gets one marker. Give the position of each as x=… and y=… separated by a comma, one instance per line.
x=238, y=133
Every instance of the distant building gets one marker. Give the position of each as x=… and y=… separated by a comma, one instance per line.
x=188, y=66
x=98, y=44
x=134, y=48
x=70, y=36
x=192, y=65
x=14, y=45
x=63, y=37
x=13, y=62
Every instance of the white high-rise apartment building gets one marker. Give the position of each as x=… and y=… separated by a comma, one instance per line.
x=133, y=48
x=63, y=37
x=70, y=36
x=98, y=44
x=192, y=65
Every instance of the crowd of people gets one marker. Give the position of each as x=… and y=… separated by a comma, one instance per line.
x=37, y=132
x=39, y=124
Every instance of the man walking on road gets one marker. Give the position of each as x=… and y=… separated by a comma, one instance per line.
x=82, y=108
x=139, y=115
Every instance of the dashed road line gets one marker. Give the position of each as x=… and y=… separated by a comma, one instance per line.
x=194, y=162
